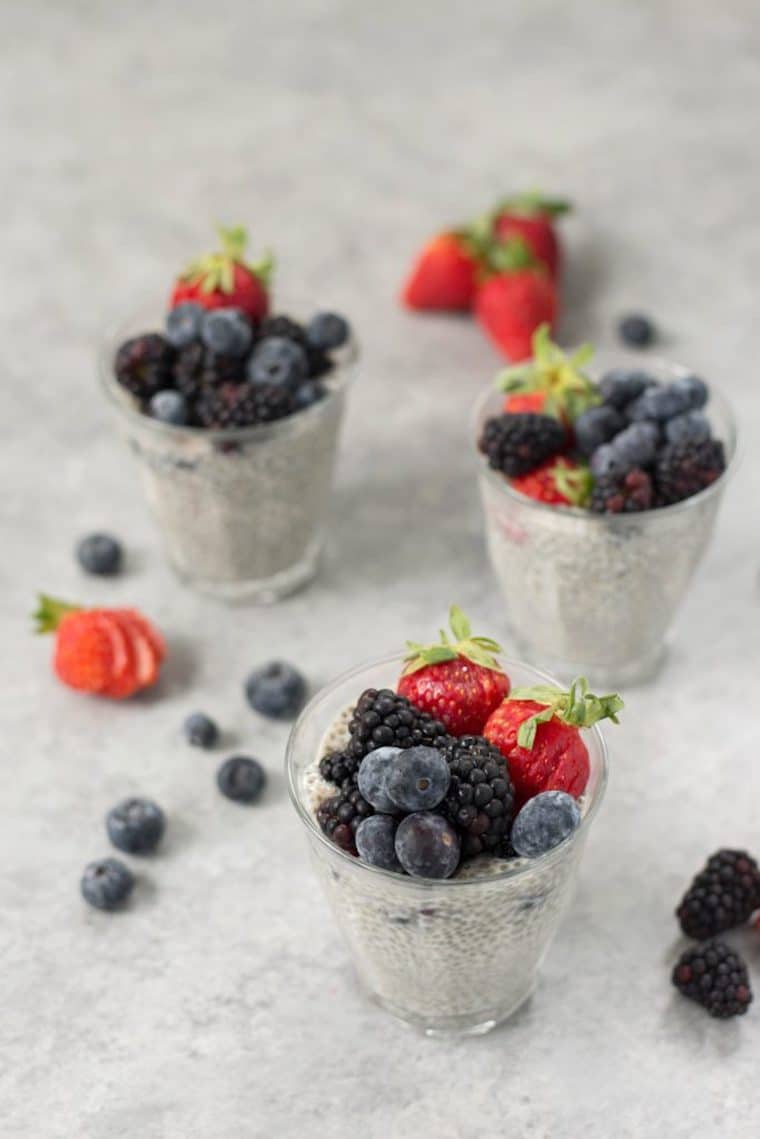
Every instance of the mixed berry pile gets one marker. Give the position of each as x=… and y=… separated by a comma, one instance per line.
x=455, y=764
x=222, y=360
x=629, y=443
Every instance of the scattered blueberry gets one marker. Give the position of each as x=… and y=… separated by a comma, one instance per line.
x=427, y=846
x=241, y=778
x=183, y=323
x=200, y=730
x=277, y=690
x=692, y=427
x=637, y=445
x=695, y=390
x=372, y=775
x=375, y=842
x=276, y=360
x=417, y=779
x=636, y=330
x=544, y=822
x=135, y=825
x=309, y=393
x=100, y=554
x=106, y=883
x=620, y=386
x=327, y=330
x=661, y=402
x=597, y=426
x=227, y=331
x=169, y=407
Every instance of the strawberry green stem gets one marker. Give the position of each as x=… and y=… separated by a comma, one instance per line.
x=216, y=271
x=577, y=708
x=479, y=650
x=533, y=202
x=50, y=612
x=557, y=373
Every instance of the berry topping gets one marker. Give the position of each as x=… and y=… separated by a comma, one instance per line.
x=458, y=680
x=227, y=332
x=427, y=846
x=544, y=822
x=276, y=360
x=517, y=444
x=371, y=777
x=200, y=730
x=243, y=405
x=691, y=427
x=241, y=779
x=715, y=977
x=624, y=495
x=694, y=389
x=183, y=324
x=169, y=407
x=622, y=386
x=327, y=330
x=384, y=719
x=596, y=426
x=661, y=402
x=559, y=482
x=341, y=768
x=724, y=894
x=224, y=279
x=308, y=393
x=107, y=883
x=552, y=382
x=340, y=816
x=375, y=842
x=143, y=365
x=636, y=330
x=417, y=779
x=276, y=690
x=684, y=469
x=135, y=825
x=100, y=554
x=480, y=799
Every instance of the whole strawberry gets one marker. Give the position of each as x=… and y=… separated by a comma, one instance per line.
x=224, y=279
x=537, y=732
x=108, y=652
x=516, y=299
x=558, y=481
x=551, y=382
x=531, y=217
x=457, y=681
x=443, y=276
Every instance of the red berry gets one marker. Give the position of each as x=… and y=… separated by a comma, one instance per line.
x=443, y=277
x=224, y=279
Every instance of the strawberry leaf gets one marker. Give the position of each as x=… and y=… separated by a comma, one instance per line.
x=50, y=612
x=577, y=707
x=460, y=626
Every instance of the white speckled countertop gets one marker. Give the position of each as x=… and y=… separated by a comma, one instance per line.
x=221, y=1004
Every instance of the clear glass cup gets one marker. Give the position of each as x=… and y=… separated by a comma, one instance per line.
x=596, y=594
x=455, y=956
x=242, y=511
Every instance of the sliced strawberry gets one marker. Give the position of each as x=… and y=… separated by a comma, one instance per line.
x=146, y=658
x=150, y=632
x=125, y=680
x=84, y=652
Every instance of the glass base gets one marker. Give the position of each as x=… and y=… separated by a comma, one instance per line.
x=265, y=591
x=623, y=674
x=466, y=1024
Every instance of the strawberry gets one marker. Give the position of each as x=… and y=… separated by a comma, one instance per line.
x=459, y=682
x=111, y=652
x=518, y=403
x=531, y=217
x=537, y=731
x=443, y=277
x=224, y=279
x=516, y=299
x=559, y=481
x=551, y=382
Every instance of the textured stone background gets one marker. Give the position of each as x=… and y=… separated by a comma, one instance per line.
x=221, y=1005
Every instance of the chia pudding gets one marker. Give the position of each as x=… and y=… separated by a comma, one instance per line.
x=455, y=955
x=595, y=590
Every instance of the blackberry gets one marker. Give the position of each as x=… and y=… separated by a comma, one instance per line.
x=188, y=370
x=385, y=719
x=340, y=815
x=480, y=800
x=516, y=444
x=714, y=976
x=143, y=365
x=623, y=495
x=684, y=469
x=319, y=361
x=723, y=895
x=340, y=768
x=242, y=405
x=222, y=369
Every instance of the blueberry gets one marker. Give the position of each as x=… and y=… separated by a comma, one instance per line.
x=276, y=360
x=100, y=554
x=620, y=386
x=597, y=426
x=637, y=445
x=241, y=778
x=661, y=402
x=417, y=779
x=169, y=407
x=544, y=822
x=375, y=842
x=200, y=730
x=636, y=330
x=692, y=427
x=183, y=323
x=227, y=331
x=427, y=846
x=309, y=393
x=607, y=463
x=135, y=825
x=372, y=775
x=327, y=330
x=695, y=390
x=106, y=883
x=277, y=690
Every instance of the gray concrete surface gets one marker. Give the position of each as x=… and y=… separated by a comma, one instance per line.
x=221, y=1004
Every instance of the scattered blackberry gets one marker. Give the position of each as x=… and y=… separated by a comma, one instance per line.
x=517, y=444
x=622, y=495
x=143, y=365
x=340, y=768
x=480, y=800
x=723, y=895
x=714, y=976
x=242, y=405
x=385, y=719
x=684, y=469
x=340, y=815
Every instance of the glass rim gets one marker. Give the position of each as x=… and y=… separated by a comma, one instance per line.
x=343, y=373
x=511, y=873
x=643, y=517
